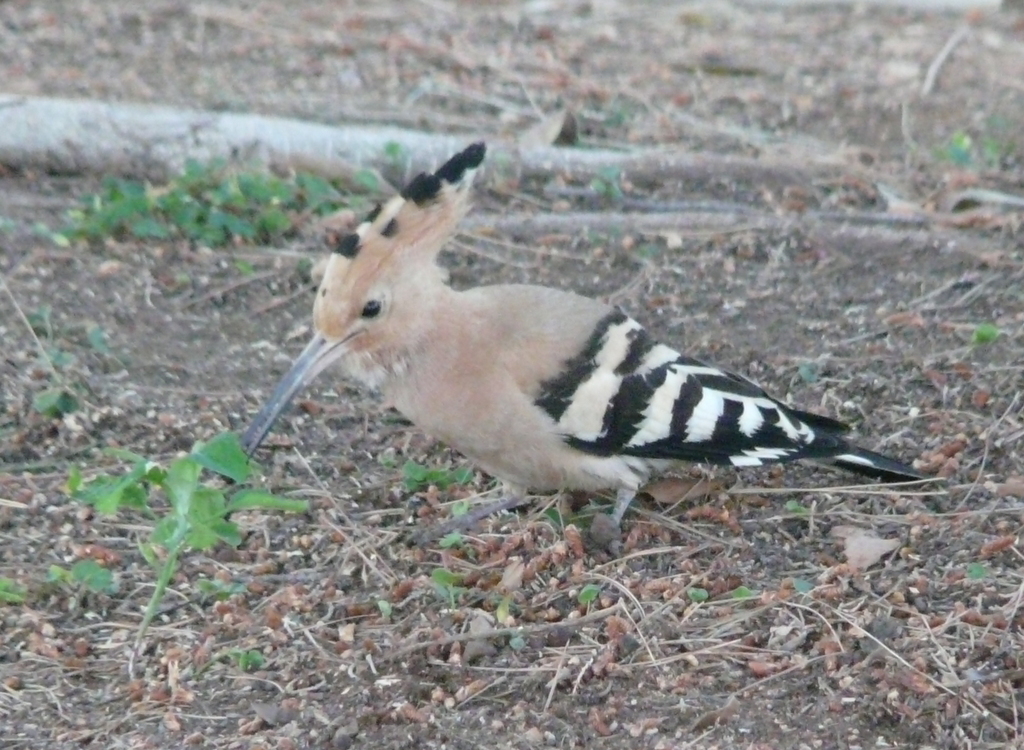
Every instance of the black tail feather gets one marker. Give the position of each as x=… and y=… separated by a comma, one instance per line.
x=874, y=465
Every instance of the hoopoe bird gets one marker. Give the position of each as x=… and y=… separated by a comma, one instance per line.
x=543, y=389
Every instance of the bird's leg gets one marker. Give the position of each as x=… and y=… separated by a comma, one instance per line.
x=622, y=500
x=467, y=520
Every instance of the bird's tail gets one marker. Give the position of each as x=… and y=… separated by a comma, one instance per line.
x=874, y=465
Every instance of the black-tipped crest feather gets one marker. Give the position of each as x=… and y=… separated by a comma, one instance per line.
x=424, y=188
x=348, y=245
x=453, y=170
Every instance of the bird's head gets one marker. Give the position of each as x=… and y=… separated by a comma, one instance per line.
x=377, y=284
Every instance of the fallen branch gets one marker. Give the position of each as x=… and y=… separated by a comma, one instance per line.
x=521, y=630
x=81, y=136
x=861, y=232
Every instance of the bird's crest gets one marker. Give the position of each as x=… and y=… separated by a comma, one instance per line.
x=418, y=220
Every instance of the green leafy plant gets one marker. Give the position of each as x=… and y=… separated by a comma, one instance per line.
x=742, y=592
x=11, y=592
x=447, y=584
x=697, y=594
x=803, y=586
x=985, y=333
x=588, y=594
x=248, y=660
x=209, y=203
x=213, y=588
x=796, y=508
x=86, y=573
x=964, y=151
x=608, y=183
x=396, y=154
x=55, y=402
x=193, y=515
x=958, y=149
x=976, y=571
x=451, y=540
x=418, y=477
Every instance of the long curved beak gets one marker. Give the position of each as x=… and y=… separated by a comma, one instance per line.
x=317, y=355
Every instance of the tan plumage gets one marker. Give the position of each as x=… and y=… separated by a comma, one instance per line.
x=544, y=389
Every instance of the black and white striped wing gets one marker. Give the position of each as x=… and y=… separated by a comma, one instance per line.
x=625, y=394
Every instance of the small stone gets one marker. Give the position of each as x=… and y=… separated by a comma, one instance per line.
x=605, y=533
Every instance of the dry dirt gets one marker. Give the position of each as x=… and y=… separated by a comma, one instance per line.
x=923, y=649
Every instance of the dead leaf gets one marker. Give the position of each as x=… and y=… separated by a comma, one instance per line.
x=719, y=716
x=997, y=545
x=559, y=129
x=671, y=490
x=466, y=692
x=512, y=578
x=862, y=548
x=1012, y=487
x=762, y=669
x=412, y=714
x=599, y=722
x=906, y=318
x=171, y=722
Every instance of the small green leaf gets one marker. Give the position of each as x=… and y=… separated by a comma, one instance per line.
x=517, y=643
x=555, y=517
x=11, y=592
x=74, y=483
x=803, y=586
x=976, y=571
x=588, y=594
x=742, y=592
x=97, y=339
x=245, y=267
x=201, y=537
x=107, y=494
x=453, y=539
x=149, y=553
x=167, y=530
x=247, y=499
x=697, y=594
x=248, y=660
x=985, y=333
x=57, y=574
x=60, y=358
x=445, y=578
x=808, y=372
x=218, y=590
x=385, y=608
x=39, y=319
x=93, y=576
x=794, y=506
x=55, y=402
x=501, y=613
x=366, y=179
x=224, y=455
x=395, y=152
x=180, y=485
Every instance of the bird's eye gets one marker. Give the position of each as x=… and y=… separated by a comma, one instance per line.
x=371, y=309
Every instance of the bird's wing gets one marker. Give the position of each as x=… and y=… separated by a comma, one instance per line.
x=625, y=394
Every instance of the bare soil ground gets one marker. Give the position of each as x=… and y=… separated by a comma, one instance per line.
x=924, y=649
